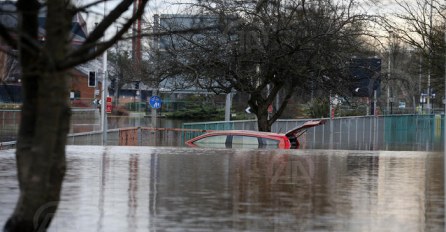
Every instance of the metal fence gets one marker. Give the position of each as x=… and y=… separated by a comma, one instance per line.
x=404, y=132
x=9, y=124
x=137, y=136
x=414, y=132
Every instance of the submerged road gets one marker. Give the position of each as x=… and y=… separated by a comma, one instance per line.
x=190, y=189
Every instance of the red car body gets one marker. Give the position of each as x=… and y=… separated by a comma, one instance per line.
x=253, y=139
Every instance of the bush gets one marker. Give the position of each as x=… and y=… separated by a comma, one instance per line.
x=79, y=103
x=197, y=112
x=119, y=111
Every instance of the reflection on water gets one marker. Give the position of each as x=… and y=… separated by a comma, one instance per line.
x=185, y=189
x=402, y=140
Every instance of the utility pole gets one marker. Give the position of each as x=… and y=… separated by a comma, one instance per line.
x=388, y=69
x=267, y=86
x=116, y=89
x=444, y=123
x=155, y=88
x=429, y=61
x=104, y=91
x=228, y=107
x=95, y=104
x=154, y=111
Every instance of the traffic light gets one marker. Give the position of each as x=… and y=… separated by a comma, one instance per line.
x=92, y=79
x=137, y=85
x=113, y=83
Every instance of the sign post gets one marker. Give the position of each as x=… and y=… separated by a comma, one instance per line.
x=331, y=112
x=103, y=109
x=375, y=123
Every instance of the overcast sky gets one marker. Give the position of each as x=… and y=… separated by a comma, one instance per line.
x=153, y=7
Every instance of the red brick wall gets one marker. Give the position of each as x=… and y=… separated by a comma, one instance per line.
x=79, y=82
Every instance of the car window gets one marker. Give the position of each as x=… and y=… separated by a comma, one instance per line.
x=239, y=141
x=270, y=143
x=212, y=141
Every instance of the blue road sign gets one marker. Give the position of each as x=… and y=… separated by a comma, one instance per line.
x=155, y=102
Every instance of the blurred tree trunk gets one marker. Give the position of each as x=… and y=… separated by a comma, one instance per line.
x=45, y=116
x=44, y=66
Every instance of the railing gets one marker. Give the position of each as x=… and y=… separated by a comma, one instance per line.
x=137, y=136
x=356, y=133
x=362, y=132
x=220, y=125
x=9, y=124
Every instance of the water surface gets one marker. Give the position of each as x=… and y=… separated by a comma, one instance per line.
x=189, y=189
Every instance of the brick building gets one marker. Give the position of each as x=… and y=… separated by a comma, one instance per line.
x=11, y=88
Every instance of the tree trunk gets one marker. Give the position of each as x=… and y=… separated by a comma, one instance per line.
x=45, y=118
x=260, y=109
x=263, y=123
x=41, y=152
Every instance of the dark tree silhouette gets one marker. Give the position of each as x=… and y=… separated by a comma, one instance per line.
x=266, y=48
x=46, y=111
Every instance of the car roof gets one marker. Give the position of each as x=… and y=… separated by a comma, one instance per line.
x=245, y=132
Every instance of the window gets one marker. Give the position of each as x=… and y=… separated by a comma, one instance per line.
x=239, y=141
x=212, y=141
x=270, y=143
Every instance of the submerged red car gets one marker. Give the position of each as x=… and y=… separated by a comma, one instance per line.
x=253, y=139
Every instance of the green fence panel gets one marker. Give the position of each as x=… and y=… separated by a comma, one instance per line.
x=209, y=125
x=409, y=128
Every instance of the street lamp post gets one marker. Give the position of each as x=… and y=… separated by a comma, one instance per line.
x=432, y=96
x=423, y=97
x=444, y=103
x=392, y=99
x=388, y=68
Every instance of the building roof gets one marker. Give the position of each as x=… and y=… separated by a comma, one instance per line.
x=9, y=18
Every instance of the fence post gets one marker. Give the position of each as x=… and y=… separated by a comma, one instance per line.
x=139, y=136
x=340, y=131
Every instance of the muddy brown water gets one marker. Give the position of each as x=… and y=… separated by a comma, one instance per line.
x=195, y=189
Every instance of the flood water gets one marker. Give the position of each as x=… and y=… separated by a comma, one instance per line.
x=195, y=189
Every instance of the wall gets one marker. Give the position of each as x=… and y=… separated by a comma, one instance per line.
x=79, y=82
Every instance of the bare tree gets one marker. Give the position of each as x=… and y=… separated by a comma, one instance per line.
x=420, y=25
x=46, y=111
x=404, y=72
x=268, y=47
x=124, y=69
